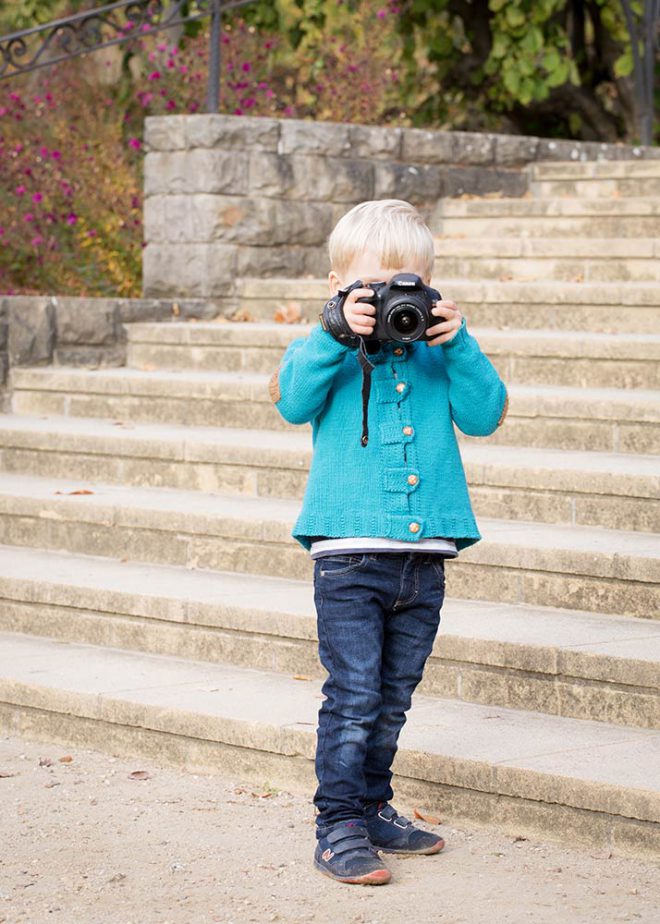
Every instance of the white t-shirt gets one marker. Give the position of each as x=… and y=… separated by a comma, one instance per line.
x=360, y=544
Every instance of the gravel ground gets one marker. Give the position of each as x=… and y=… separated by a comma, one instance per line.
x=82, y=841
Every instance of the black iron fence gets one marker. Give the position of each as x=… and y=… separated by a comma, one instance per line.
x=89, y=31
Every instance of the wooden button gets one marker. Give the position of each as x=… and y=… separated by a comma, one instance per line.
x=398, y=351
x=400, y=386
x=412, y=479
x=414, y=527
x=408, y=431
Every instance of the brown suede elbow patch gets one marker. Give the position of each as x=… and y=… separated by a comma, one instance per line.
x=504, y=410
x=274, y=386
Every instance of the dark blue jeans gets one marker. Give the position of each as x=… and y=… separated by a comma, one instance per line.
x=377, y=617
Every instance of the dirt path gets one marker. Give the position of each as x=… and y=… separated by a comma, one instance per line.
x=83, y=843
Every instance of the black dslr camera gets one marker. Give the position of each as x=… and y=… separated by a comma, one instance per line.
x=403, y=310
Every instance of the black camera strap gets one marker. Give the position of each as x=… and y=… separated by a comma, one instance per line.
x=367, y=366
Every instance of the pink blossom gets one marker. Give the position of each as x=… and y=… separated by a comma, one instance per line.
x=171, y=104
x=135, y=143
x=381, y=14
x=3, y=110
x=247, y=67
x=19, y=190
x=154, y=75
x=56, y=155
x=37, y=240
x=184, y=69
x=170, y=63
x=43, y=150
x=28, y=216
x=71, y=218
x=15, y=96
x=249, y=102
x=162, y=46
x=2, y=231
x=37, y=197
x=91, y=233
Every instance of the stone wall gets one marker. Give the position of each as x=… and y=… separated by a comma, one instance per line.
x=40, y=329
x=230, y=196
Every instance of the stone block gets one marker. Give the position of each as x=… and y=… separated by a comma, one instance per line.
x=165, y=132
x=476, y=181
x=421, y=146
x=271, y=261
x=376, y=141
x=417, y=183
x=201, y=170
x=86, y=320
x=293, y=176
x=213, y=130
x=515, y=149
x=31, y=330
x=195, y=269
x=300, y=136
x=474, y=148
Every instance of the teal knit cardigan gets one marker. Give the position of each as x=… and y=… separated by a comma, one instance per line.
x=408, y=482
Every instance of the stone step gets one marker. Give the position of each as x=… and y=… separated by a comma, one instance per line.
x=605, y=307
x=545, y=357
x=615, y=491
x=602, y=170
x=540, y=259
x=534, y=217
x=570, y=663
x=528, y=207
x=525, y=772
x=596, y=187
x=587, y=568
x=596, y=419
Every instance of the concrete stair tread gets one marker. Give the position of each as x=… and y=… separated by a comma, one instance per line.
x=548, y=247
x=582, y=763
x=271, y=605
x=611, y=293
x=228, y=389
x=550, y=206
x=581, y=344
x=615, y=551
x=603, y=169
x=84, y=432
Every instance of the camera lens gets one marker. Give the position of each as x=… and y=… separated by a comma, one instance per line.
x=405, y=322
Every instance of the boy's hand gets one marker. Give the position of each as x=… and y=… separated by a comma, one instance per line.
x=445, y=329
x=360, y=316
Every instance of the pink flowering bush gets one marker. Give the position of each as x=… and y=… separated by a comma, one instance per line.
x=71, y=144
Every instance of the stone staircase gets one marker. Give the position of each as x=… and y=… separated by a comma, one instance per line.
x=154, y=601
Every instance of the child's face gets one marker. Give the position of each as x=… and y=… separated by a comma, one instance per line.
x=368, y=268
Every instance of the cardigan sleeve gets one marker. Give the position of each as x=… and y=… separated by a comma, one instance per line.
x=478, y=397
x=300, y=384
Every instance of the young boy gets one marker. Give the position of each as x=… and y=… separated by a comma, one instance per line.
x=379, y=517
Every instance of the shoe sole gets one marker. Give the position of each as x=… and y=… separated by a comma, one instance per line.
x=427, y=851
x=377, y=877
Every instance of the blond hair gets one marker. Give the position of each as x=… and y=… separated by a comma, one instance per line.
x=392, y=228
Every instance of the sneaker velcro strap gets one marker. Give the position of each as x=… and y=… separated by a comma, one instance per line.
x=348, y=838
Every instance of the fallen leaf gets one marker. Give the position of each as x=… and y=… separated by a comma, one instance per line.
x=66, y=759
x=301, y=677
x=51, y=784
x=242, y=314
x=139, y=775
x=78, y=491
x=432, y=820
x=5, y=775
x=290, y=313
x=45, y=762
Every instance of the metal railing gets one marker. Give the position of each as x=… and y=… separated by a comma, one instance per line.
x=82, y=33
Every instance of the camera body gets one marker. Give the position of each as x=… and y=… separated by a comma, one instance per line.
x=403, y=310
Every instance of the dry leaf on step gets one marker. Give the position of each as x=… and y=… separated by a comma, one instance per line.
x=241, y=314
x=290, y=313
x=301, y=677
x=79, y=491
x=139, y=775
x=432, y=820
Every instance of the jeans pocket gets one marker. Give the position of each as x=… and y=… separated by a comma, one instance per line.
x=438, y=565
x=340, y=564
